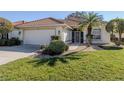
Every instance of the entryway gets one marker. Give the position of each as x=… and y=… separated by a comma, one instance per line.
x=77, y=37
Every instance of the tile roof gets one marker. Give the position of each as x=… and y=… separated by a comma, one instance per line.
x=72, y=23
x=48, y=22
x=18, y=22
x=42, y=22
x=77, y=19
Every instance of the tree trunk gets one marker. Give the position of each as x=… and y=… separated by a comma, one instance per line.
x=119, y=38
x=112, y=36
x=89, y=37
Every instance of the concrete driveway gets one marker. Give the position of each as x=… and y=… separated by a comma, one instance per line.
x=8, y=54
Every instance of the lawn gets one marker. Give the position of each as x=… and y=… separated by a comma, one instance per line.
x=97, y=65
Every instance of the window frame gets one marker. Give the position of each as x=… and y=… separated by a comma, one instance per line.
x=96, y=35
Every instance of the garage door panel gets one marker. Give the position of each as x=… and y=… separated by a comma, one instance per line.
x=38, y=37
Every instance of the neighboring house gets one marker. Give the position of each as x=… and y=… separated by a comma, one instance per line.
x=39, y=32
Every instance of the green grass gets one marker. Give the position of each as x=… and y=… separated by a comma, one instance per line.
x=98, y=65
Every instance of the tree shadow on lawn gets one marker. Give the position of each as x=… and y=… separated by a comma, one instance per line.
x=52, y=60
x=111, y=47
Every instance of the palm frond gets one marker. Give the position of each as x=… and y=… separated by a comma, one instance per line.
x=91, y=18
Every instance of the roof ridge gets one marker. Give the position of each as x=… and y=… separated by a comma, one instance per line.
x=56, y=19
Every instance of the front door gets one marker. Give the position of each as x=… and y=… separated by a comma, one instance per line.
x=77, y=37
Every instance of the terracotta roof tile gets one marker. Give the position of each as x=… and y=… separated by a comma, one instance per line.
x=18, y=23
x=72, y=23
x=49, y=22
x=42, y=22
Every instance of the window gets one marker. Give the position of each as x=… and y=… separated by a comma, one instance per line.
x=96, y=37
x=96, y=33
x=59, y=32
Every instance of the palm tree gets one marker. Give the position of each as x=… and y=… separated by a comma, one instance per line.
x=75, y=14
x=89, y=20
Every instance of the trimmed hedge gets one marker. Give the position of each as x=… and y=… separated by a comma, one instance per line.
x=56, y=47
x=10, y=42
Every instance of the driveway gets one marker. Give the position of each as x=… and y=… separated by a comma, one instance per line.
x=8, y=54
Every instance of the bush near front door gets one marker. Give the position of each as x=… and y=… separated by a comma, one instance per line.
x=55, y=47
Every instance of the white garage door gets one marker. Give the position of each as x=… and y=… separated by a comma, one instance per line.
x=38, y=37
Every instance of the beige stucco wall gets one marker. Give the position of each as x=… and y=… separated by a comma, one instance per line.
x=67, y=35
x=17, y=34
x=105, y=36
x=41, y=36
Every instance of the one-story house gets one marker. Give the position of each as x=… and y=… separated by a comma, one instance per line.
x=39, y=32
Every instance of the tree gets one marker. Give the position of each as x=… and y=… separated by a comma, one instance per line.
x=5, y=27
x=120, y=28
x=75, y=14
x=110, y=27
x=117, y=25
x=89, y=20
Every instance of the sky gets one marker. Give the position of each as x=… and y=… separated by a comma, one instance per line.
x=34, y=15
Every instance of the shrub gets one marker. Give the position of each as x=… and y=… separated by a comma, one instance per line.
x=15, y=41
x=55, y=47
x=112, y=37
x=10, y=42
x=111, y=47
x=122, y=43
x=117, y=43
x=55, y=37
x=3, y=42
x=66, y=47
x=43, y=46
x=122, y=40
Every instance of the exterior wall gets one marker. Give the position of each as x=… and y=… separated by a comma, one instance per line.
x=43, y=36
x=105, y=36
x=59, y=32
x=67, y=35
x=117, y=35
x=37, y=37
x=17, y=34
x=85, y=33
